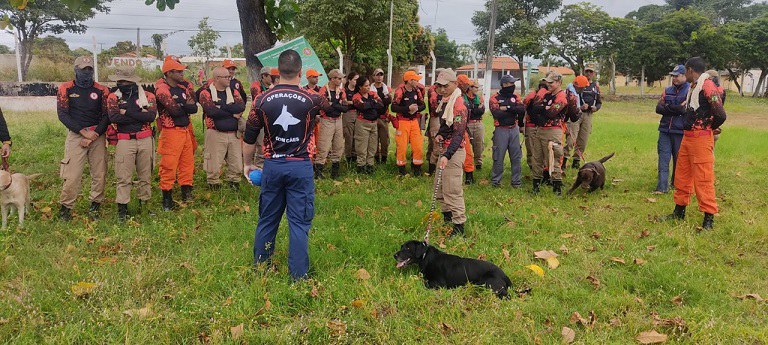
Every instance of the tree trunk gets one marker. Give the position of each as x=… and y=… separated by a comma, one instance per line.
x=257, y=36
x=760, y=82
x=612, y=89
x=523, y=80
x=734, y=78
x=25, y=46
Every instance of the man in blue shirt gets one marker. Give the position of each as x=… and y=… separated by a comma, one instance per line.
x=671, y=107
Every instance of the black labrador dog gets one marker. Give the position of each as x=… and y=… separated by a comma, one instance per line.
x=441, y=270
x=591, y=176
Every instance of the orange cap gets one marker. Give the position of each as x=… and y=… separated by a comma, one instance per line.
x=274, y=72
x=312, y=73
x=581, y=81
x=172, y=63
x=463, y=81
x=228, y=64
x=411, y=75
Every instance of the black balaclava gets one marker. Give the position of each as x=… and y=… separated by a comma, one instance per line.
x=507, y=91
x=83, y=77
x=128, y=90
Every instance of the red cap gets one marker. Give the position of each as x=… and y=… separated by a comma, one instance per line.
x=172, y=63
x=228, y=64
x=312, y=73
x=274, y=72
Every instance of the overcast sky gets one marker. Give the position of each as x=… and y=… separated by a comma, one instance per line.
x=126, y=15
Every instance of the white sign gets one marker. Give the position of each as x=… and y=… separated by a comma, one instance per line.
x=146, y=63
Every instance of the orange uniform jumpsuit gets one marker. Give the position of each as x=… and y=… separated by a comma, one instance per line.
x=177, y=143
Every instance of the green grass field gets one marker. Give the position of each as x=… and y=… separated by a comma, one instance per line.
x=186, y=277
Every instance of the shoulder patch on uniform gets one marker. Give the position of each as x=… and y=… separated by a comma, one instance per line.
x=557, y=105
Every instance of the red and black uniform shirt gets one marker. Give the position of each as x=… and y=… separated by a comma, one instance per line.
x=334, y=99
x=257, y=89
x=711, y=114
x=172, y=107
x=386, y=100
x=315, y=89
x=513, y=113
x=548, y=110
x=288, y=114
x=476, y=107
x=404, y=98
x=80, y=108
x=220, y=115
x=136, y=119
x=453, y=136
x=434, y=100
x=367, y=107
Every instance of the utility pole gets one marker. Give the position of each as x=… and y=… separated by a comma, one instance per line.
x=95, y=61
x=389, y=50
x=489, y=55
x=18, y=54
x=138, y=43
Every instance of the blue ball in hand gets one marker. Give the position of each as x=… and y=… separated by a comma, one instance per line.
x=255, y=176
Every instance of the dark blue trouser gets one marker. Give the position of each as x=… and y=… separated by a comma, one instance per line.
x=284, y=184
x=506, y=140
x=668, y=146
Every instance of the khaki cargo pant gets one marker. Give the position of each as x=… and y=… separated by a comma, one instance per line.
x=450, y=193
x=366, y=138
x=71, y=169
x=382, y=128
x=258, y=154
x=349, y=119
x=330, y=142
x=477, y=139
x=222, y=147
x=541, y=158
x=530, y=138
x=578, y=135
x=433, y=150
x=135, y=155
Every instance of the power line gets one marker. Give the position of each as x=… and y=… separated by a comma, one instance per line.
x=158, y=29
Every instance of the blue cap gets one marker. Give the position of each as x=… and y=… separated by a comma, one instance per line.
x=679, y=69
x=508, y=78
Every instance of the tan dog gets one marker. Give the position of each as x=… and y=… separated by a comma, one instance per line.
x=14, y=194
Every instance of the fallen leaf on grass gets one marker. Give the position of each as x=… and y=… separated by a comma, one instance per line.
x=337, y=183
x=639, y=261
x=47, y=212
x=566, y=235
x=619, y=260
x=236, y=331
x=753, y=296
x=82, y=289
x=141, y=313
x=644, y=233
x=314, y=292
x=505, y=253
x=595, y=282
x=576, y=318
x=596, y=235
x=227, y=301
x=650, y=248
x=677, y=300
x=549, y=256
x=331, y=247
x=358, y=303
x=651, y=200
x=651, y=337
x=337, y=327
x=564, y=249
x=677, y=323
x=419, y=204
x=536, y=269
x=568, y=335
x=362, y=274
x=357, y=182
x=446, y=328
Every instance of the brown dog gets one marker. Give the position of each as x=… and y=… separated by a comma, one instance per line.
x=14, y=194
x=591, y=176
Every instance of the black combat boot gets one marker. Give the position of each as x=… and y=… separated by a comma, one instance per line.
x=186, y=193
x=65, y=213
x=447, y=217
x=93, y=211
x=416, y=170
x=565, y=164
x=469, y=178
x=383, y=159
x=122, y=212
x=677, y=214
x=319, y=170
x=369, y=169
x=478, y=166
x=168, y=204
x=214, y=186
x=536, y=184
x=401, y=169
x=709, y=221
x=431, y=169
x=335, y=170
x=234, y=185
x=361, y=169
x=546, y=179
x=576, y=163
x=557, y=187
x=458, y=230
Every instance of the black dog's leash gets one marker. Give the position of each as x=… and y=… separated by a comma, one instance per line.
x=434, y=202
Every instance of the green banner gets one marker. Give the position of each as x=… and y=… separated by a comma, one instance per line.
x=308, y=58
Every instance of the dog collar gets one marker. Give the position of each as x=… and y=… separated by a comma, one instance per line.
x=11, y=182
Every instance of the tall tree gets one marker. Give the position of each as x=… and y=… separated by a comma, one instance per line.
x=576, y=33
x=446, y=50
x=617, y=32
x=752, y=42
x=518, y=32
x=157, y=43
x=51, y=48
x=237, y=50
x=360, y=29
x=203, y=43
x=4, y=49
x=47, y=16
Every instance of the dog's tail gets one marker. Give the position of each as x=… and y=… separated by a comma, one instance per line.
x=33, y=176
x=606, y=158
